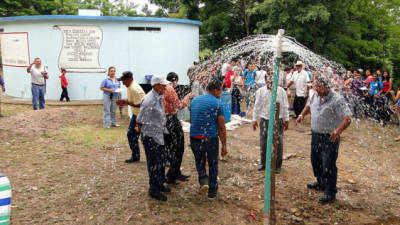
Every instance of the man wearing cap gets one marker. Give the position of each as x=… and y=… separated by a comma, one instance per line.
x=300, y=79
x=151, y=122
x=330, y=116
x=135, y=97
x=174, y=140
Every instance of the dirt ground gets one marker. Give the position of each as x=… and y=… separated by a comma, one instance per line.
x=66, y=169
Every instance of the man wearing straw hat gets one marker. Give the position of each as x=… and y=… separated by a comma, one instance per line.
x=300, y=79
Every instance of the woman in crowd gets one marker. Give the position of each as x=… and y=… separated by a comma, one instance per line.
x=109, y=87
x=237, y=86
x=387, y=83
x=375, y=90
x=396, y=106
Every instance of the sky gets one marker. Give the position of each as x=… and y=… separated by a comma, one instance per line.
x=141, y=3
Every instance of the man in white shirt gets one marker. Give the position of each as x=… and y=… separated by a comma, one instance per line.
x=260, y=78
x=300, y=79
x=262, y=109
x=39, y=77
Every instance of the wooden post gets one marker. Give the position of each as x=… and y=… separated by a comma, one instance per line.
x=272, y=217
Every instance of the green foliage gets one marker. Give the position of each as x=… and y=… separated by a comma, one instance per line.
x=358, y=33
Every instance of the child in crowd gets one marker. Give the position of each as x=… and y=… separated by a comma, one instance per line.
x=64, y=84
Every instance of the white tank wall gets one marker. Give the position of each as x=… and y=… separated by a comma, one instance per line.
x=173, y=49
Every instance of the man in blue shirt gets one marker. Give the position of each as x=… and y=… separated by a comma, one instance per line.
x=151, y=122
x=208, y=124
x=249, y=84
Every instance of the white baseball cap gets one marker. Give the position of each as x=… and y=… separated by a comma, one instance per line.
x=159, y=80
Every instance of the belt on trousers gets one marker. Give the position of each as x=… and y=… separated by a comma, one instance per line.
x=321, y=134
x=38, y=84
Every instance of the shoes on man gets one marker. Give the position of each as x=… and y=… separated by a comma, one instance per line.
x=261, y=168
x=315, y=186
x=115, y=125
x=131, y=160
x=203, y=189
x=165, y=189
x=212, y=195
x=327, y=199
x=278, y=171
x=158, y=196
x=183, y=177
x=171, y=181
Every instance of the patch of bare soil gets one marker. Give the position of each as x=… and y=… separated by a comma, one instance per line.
x=60, y=178
x=42, y=120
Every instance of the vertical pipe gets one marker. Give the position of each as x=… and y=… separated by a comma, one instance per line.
x=271, y=124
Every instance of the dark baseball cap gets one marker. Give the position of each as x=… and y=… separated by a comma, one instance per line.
x=126, y=75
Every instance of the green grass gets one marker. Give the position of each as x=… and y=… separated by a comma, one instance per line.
x=93, y=136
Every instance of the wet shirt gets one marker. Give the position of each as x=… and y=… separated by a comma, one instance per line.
x=108, y=83
x=263, y=101
x=37, y=76
x=249, y=77
x=356, y=85
x=135, y=95
x=327, y=115
x=64, y=82
x=152, y=117
x=300, y=80
x=204, y=111
x=375, y=87
x=172, y=103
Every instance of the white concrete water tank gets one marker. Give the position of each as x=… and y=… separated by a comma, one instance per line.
x=87, y=45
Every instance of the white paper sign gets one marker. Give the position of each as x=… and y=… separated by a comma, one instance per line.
x=80, y=49
x=15, y=49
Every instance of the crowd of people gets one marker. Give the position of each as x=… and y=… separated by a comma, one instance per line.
x=329, y=97
x=369, y=95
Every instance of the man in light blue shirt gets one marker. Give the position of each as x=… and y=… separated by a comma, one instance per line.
x=249, y=76
x=151, y=122
x=330, y=116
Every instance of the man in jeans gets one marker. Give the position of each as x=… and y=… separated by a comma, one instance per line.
x=330, y=116
x=261, y=109
x=135, y=97
x=39, y=76
x=208, y=124
x=151, y=122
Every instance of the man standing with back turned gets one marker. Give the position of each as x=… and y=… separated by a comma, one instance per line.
x=208, y=124
x=330, y=116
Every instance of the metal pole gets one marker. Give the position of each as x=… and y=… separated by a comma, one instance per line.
x=271, y=124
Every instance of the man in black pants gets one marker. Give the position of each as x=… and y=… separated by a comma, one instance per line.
x=135, y=95
x=174, y=140
x=330, y=116
x=151, y=122
x=301, y=81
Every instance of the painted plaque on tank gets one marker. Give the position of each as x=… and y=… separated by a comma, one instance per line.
x=80, y=48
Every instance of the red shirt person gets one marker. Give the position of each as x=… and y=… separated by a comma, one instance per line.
x=64, y=84
x=228, y=75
